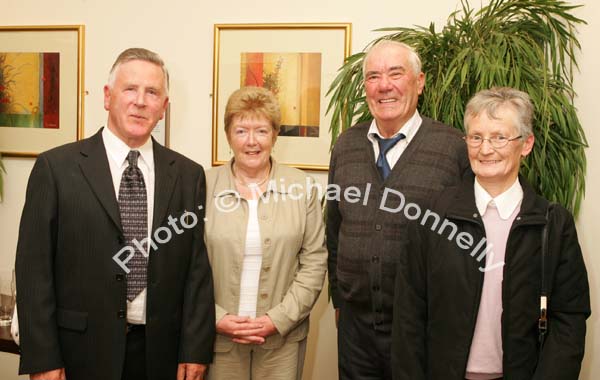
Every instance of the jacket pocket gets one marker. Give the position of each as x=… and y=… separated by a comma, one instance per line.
x=276, y=341
x=223, y=343
x=71, y=320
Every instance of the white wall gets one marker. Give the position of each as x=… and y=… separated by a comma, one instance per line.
x=181, y=31
x=587, y=86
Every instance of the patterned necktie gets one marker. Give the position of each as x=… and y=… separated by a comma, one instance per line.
x=384, y=146
x=133, y=207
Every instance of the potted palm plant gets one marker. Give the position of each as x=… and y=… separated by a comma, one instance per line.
x=527, y=44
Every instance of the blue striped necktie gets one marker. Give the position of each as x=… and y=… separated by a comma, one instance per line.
x=384, y=146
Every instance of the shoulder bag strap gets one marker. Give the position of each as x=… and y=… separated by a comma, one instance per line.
x=543, y=320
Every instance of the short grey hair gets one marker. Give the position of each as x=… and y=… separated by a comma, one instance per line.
x=139, y=54
x=495, y=98
x=413, y=56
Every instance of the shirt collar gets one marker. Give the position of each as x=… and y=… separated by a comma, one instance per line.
x=409, y=129
x=506, y=203
x=117, y=150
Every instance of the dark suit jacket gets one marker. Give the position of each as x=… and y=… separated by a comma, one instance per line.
x=72, y=294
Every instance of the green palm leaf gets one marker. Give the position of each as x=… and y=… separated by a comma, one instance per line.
x=527, y=44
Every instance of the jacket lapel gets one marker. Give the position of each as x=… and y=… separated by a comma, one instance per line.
x=165, y=173
x=94, y=165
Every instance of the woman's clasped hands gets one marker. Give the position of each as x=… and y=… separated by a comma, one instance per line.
x=246, y=330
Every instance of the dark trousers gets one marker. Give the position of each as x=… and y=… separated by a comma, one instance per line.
x=134, y=367
x=363, y=352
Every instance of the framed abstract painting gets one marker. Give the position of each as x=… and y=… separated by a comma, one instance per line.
x=41, y=82
x=297, y=63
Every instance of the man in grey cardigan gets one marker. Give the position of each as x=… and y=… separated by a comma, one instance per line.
x=395, y=162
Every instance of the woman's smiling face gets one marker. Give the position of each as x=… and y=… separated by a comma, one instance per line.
x=498, y=167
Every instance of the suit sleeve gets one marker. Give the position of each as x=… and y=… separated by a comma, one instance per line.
x=36, y=248
x=308, y=281
x=332, y=231
x=409, y=335
x=198, y=319
x=568, y=306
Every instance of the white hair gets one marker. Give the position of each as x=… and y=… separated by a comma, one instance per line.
x=413, y=56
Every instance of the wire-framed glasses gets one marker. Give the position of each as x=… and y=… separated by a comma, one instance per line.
x=497, y=142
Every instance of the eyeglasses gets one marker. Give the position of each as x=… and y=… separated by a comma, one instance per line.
x=497, y=142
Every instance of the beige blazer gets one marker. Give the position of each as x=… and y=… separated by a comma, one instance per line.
x=294, y=258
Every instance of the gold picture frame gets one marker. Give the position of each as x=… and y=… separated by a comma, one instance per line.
x=41, y=115
x=160, y=133
x=297, y=62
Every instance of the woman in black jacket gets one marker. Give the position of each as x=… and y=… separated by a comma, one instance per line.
x=477, y=296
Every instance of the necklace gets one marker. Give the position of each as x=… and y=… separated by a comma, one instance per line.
x=250, y=184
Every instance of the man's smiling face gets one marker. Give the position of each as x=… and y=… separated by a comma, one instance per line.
x=392, y=86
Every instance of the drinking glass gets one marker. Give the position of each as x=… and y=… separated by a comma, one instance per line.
x=7, y=296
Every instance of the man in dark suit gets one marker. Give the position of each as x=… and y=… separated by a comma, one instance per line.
x=396, y=161
x=112, y=272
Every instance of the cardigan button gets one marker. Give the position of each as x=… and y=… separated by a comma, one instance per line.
x=264, y=296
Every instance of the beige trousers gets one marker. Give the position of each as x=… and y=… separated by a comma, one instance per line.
x=252, y=362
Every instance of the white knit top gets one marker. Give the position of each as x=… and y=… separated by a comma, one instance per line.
x=252, y=263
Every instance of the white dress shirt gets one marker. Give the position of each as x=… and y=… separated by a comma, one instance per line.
x=506, y=203
x=117, y=151
x=409, y=130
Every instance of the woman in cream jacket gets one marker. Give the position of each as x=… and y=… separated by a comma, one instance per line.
x=265, y=240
